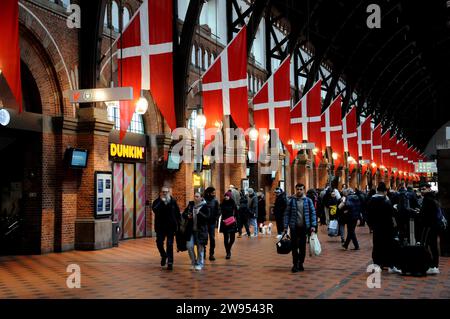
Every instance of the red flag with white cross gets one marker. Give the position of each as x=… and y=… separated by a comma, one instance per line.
x=272, y=104
x=365, y=140
x=146, y=60
x=331, y=129
x=350, y=133
x=305, y=119
x=376, y=145
x=224, y=85
x=9, y=48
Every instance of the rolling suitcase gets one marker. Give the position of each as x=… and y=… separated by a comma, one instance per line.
x=414, y=257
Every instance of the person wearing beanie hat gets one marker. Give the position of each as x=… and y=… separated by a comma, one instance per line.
x=380, y=217
x=228, y=210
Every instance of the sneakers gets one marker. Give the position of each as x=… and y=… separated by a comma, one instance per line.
x=212, y=258
x=198, y=268
x=394, y=270
x=433, y=271
x=169, y=267
x=163, y=261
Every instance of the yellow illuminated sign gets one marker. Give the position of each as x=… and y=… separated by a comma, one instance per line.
x=126, y=151
x=197, y=180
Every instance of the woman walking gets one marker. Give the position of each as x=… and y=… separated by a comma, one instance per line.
x=197, y=215
x=228, y=225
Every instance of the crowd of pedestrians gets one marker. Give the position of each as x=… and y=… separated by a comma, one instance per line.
x=386, y=212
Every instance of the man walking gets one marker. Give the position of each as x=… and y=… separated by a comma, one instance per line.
x=213, y=205
x=300, y=217
x=380, y=218
x=352, y=207
x=279, y=209
x=167, y=220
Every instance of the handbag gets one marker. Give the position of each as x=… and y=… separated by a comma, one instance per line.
x=229, y=221
x=284, y=245
x=315, y=249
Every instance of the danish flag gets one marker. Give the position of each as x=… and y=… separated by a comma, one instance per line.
x=393, y=153
x=9, y=48
x=146, y=60
x=376, y=144
x=365, y=140
x=272, y=103
x=305, y=116
x=386, y=150
x=224, y=84
x=331, y=130
x=349, y=133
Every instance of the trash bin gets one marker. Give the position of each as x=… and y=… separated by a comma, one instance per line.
x=115, y=233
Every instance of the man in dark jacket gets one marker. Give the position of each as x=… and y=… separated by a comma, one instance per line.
x=380, y=217
x=243, y=214
x=407, y=207
x=352, y=207
x=213, y=205
x=197, y=214
x=300, y=218
x=253, y=211
x=279, y=209
x=167, y=220
x=429, y=216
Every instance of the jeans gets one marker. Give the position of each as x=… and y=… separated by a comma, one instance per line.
x=160, y=237
x=342, y=231
x=351, y=234
x=199, y=258
x=298, y=241
x=212, y=238
x=228, y=241
x=432, y=243
x=254, y=223
x=327, y=215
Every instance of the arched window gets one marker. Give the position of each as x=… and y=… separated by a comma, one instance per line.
x=105, y=21
x=65, y=3
x=206, y=64
x=125, y=17
x=193, y=55
x=115, y=15
x=248, y=82
x=136, y=125
x=199, y=57
x=213, y=56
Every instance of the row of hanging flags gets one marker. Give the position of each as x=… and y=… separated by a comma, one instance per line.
x=146, y=60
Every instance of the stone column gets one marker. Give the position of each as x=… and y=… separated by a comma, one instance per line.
x=93, y=134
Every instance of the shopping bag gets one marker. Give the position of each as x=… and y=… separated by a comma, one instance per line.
x=333, y=228
x=314, y=245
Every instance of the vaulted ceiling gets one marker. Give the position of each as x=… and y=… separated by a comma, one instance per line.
x=401, y=69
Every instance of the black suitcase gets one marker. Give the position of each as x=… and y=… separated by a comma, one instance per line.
x=414, y=258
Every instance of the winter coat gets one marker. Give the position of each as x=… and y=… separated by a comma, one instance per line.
x=380, y=214
x=261, y=209
x=253, y=206
x=309, y=213
x=280, y=205
x=201, y=235
x=236, y=197
x=354, y=206
x=214, y=213
x=243, y=209
x=167, y=216
x=428, y=212
x=227, y=209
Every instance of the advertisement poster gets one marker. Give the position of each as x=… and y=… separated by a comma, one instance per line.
x=103, y=195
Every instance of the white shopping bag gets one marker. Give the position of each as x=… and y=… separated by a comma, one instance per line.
x=314, y=245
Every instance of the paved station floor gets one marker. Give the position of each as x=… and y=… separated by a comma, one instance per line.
x=255, y=270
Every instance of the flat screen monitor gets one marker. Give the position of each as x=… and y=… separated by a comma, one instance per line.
x=173, y=162
x=78, y=158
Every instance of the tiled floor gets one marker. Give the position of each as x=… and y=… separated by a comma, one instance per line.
x=254, y=271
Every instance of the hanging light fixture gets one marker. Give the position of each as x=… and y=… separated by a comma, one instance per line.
x=5, y=118
x=253, y=134
x=200, y=121
x=141, y=105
